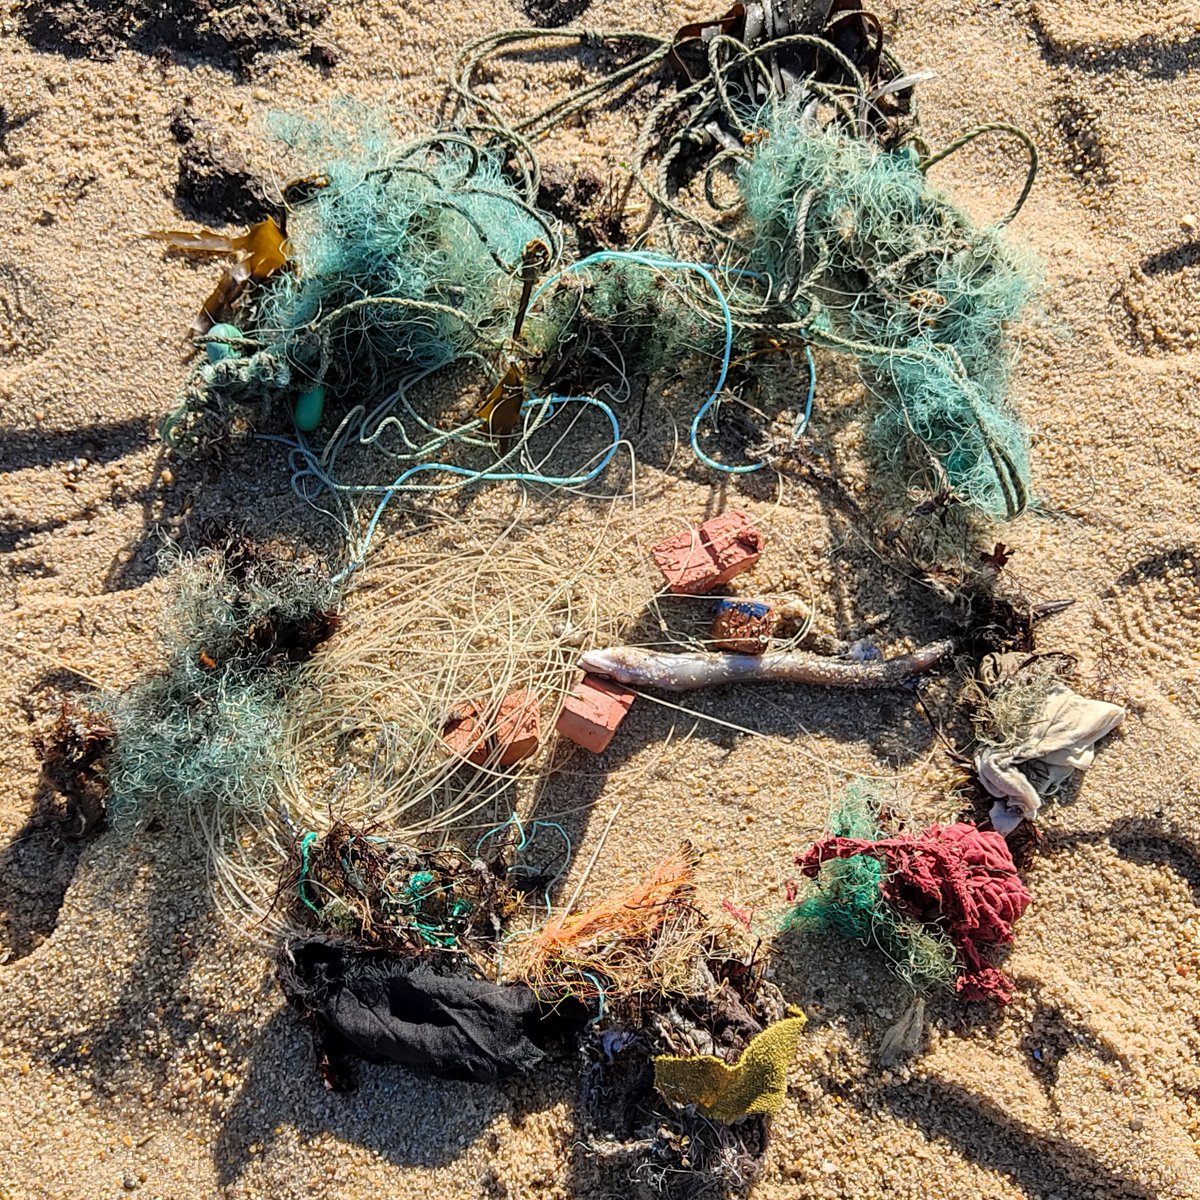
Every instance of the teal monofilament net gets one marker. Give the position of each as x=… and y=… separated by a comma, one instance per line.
x=409, y=257
x=199, y=740
x=875, y=262
x=818, y=229
x=846, y=899
x=407, y=260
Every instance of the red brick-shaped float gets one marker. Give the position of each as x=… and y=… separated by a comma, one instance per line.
x=591, y=713
x=518, y=727
x=698, y=560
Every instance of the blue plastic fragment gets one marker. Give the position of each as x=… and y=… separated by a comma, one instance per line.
x=755, y=609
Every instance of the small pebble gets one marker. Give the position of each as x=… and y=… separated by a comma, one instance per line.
x=309, y=406
x=216, y=351
x=1189, y=222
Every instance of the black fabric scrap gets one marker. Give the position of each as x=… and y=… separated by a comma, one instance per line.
x=382, y=1008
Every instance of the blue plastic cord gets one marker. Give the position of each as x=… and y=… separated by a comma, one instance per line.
x=802, y=424
x=525, y=840
x=305, y=465
x=659, y=262
x=600, y=993
x=305, y=842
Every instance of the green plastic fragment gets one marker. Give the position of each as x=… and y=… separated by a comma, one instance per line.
x=309, y=406
x=216, y=351
x=419, y=882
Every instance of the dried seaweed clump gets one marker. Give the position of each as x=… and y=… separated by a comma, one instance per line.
x=201, y=737
x=677, y=1150
x=72, y=753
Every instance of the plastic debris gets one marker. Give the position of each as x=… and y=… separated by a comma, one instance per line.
x=833, y=213
x=394, y=896
x=642, y=939
x=216, y=350
x=698, y=560
x=954, y=876
x=903, y=1038
x=845, y=899
x=756, y=1083
x=202, y=739
x=743, y=626
x=592, y=712
x=1057, y=736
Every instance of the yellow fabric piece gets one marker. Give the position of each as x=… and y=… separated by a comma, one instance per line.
x=756, y=1083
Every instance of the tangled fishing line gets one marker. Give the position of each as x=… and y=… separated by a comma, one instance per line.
x=449, y=625
x=792, y=210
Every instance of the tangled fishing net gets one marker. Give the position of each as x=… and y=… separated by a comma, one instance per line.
x=789, y=160
x=397, y=898
x=402, y=259
x=957, y=881
x=454, y=615
x=409, y=256
x=199, y=741
x=846, y=898
x=882, y=266
x=817, y=227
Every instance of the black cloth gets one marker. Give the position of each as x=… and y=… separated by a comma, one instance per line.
x=382, y=1008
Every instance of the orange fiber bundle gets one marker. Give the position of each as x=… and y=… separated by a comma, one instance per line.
x=640, y=940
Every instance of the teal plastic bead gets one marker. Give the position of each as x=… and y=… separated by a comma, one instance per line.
x=216, y=351
x=309, y=406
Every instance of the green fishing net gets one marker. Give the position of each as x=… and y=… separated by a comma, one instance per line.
x=201, y=737
x=791, y=210
x=619, y=315
x=404, y=257
x=845, y=899
x=407, y=256
x=875, y=262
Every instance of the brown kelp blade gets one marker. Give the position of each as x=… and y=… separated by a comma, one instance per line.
x=262, y=251
x=265, y=249
x=219, y=305
x=263, y=245
x=732, y=23
x=196, y=241
x=502, y=408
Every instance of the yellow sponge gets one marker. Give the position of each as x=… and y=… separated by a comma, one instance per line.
x=756, y=1083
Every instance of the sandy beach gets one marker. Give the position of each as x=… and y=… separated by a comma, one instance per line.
x=145, y=1049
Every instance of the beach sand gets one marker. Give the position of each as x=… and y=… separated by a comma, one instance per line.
x=144, y=1047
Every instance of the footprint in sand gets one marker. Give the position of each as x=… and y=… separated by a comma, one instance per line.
x=1157, y=308
x=1154, y=608
x=24, y=317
